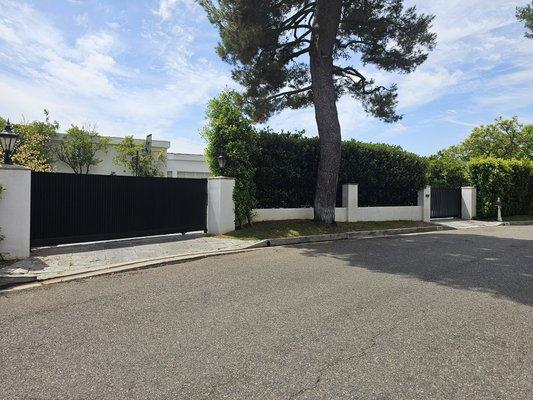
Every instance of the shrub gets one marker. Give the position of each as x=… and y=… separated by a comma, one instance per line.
x=287, y=165
x=447, y=171
x=230, y=133
x=511, y=180
x=35, y=150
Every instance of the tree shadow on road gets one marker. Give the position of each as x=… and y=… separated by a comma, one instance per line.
x=490, y=264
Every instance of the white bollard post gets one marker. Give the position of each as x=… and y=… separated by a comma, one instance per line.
x=15, y=211
x=220, y=205
x=350, y=201
x=424, y=200
x=468, y=202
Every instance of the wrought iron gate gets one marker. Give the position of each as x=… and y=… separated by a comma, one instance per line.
x=69, y=208
x=445, y=202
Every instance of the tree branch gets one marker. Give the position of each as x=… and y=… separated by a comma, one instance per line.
x=289, y=93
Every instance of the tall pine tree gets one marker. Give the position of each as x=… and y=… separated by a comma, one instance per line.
x=294, y=53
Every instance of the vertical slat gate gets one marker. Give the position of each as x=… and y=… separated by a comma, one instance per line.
x=445, y=202
x=69, y=208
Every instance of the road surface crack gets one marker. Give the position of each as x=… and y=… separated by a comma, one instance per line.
x=340, y=360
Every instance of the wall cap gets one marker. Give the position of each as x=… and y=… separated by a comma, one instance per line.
x=214, y=178
x=14, y=167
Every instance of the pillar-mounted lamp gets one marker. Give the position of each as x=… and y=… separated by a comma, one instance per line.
x=221, y=163
x=8, y=143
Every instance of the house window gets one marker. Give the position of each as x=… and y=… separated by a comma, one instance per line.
x=169, y=174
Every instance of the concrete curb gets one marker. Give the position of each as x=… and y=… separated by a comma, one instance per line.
x=344, y=236
x=517, y=223
x=12, y=284
x=26, y=282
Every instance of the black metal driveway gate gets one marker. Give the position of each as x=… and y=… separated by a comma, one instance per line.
x=445, y=202
x=69, y=208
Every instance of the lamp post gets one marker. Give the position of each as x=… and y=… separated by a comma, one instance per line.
x=221, y=163
x=8, y=143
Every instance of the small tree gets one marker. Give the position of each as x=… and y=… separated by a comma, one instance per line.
x=79, y=147
x=35, y=150
x=139, y=162
x=230, y=132
x=525, y=14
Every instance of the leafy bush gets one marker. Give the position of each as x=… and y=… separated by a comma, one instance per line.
x=447, y=171
x=35, y=150
x=511, y=180
x=287, y=165
x=230, y=133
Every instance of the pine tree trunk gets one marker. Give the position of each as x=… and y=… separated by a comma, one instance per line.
x=327, y=19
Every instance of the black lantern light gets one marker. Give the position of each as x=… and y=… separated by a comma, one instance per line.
x=221, y=163
x=8, y=143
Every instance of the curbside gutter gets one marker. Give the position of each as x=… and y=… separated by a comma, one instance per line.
x=14, y=283
x=345, y=236
x=517, y=223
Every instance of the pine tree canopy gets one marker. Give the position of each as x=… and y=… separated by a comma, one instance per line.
x=268, y=41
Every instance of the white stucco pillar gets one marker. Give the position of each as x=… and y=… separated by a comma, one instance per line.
x=15, y=211
x=350, y=201
x=468, y=202
x=220, y=205
x=424, y=200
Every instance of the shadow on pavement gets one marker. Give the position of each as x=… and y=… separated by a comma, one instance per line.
x=496, y=265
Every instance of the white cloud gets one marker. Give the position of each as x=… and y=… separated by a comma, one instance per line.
x=82, y=80
x=82, y=19
x=167, y=8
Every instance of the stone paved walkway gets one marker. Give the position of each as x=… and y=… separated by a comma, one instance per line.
x=51, y=262
x=465, y=224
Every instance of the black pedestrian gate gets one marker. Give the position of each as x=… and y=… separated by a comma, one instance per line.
x=445, y=202
x=69, y=208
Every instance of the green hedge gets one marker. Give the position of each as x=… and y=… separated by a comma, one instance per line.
x=511, y=180
x=287, y=165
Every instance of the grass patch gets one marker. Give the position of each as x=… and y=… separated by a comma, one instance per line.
x=299, y=227
x=527, y=217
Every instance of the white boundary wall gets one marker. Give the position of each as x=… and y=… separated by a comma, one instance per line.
x=350, y=212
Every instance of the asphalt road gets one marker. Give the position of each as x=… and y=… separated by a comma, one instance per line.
x=435, y=316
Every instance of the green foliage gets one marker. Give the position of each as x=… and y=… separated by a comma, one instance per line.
x=287, y=164
x=78, y=149
x=286, y=169
x=134, y=157
x=35, y=150
x=505, y=138
x=526, y=14
x=445, y=170
x=230, y=133
x=270, y=43
x=511, y=180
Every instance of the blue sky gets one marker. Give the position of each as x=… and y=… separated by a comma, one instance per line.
x=137, y=67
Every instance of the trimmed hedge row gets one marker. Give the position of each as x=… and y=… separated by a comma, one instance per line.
x=287, y=165
x=511, y=180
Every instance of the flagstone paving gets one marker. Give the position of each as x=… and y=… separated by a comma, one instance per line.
x=50, y=262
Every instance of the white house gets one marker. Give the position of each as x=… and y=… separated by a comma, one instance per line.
x=182, y=165
x=178, y=165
